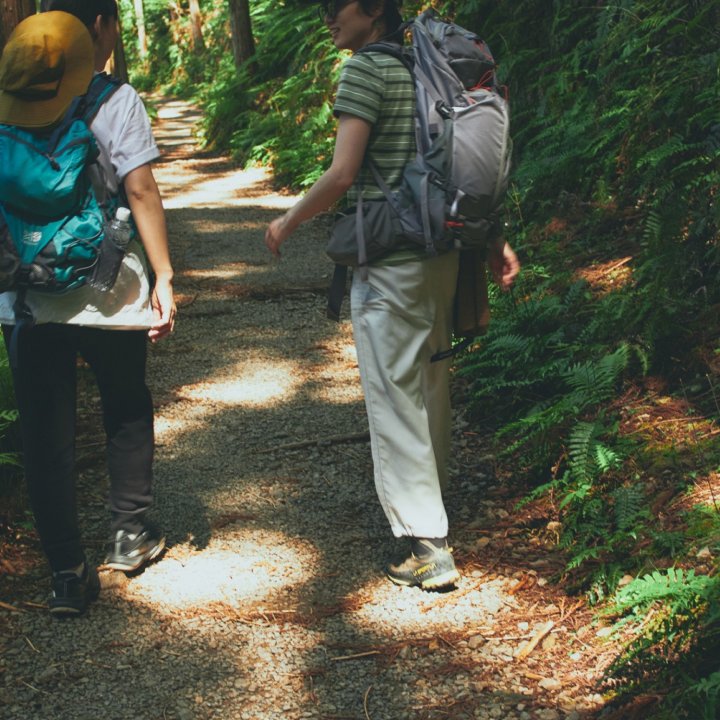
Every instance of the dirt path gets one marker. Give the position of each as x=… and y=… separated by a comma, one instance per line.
x=270, y=601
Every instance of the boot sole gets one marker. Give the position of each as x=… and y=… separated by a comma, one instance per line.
x=445, y=579
x=139, y=561
x=64, y=610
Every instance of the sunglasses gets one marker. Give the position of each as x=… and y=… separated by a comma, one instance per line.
x=329, y=9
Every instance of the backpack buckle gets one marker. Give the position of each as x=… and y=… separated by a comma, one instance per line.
x=443, y=110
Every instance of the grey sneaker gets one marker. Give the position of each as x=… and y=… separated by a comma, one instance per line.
x=128, y=551
x=72, y=593
x=427, y=567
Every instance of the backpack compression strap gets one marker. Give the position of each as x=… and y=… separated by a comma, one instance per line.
x=336, y=292
x=337, y=286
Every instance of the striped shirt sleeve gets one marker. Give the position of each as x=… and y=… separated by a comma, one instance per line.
x=361, y=89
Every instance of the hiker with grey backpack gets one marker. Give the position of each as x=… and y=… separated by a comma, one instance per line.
x=76, y=282
x=409, y=219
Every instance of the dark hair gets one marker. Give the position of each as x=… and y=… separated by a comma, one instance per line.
x=85, y=10
x=393, y=20
x=391, y=16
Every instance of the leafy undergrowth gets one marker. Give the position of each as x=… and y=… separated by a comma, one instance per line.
x=607, y=404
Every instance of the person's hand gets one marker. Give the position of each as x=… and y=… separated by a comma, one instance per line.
x=277, y=233
x=504, y=264
x=164, y=310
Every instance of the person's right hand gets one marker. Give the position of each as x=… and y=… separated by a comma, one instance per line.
x=277, y=233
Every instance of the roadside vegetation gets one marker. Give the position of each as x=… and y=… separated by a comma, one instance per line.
x=599, y=378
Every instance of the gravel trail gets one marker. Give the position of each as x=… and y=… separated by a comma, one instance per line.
x=270, y=601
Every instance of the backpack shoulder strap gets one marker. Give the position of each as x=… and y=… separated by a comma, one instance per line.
x=400, y=52
x=101, y=88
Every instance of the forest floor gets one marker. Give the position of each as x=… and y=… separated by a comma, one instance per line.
x=270, y=600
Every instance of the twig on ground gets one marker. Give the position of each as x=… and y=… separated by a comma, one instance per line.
x=29, y=642
x=365, y=702
x=356, y=655
x=615, y=266
x=447, y=642
x=11, y=608
x=524, y=582
x=564, y=616
x=451, y=597
x=533, y=675
x=532, y=644
x=32, y=687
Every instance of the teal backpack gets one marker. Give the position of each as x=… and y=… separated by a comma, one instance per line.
x=52, y=215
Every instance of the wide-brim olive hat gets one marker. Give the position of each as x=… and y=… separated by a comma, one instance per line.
x=47, y=61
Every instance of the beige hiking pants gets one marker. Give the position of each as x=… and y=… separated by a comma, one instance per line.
x=401, y=316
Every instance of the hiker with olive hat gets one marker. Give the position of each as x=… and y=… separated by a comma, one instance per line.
x=49, y=59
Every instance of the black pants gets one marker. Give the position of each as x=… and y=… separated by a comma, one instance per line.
x=46, y=388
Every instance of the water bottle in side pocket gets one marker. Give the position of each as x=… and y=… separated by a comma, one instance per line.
x=112, y=251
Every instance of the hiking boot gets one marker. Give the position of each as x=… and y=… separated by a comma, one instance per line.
x=72, y=593
x=428, y=567
x=129, y=551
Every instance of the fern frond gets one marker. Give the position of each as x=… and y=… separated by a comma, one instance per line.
x=582, y=444
x=652, y=228
x=629, y=504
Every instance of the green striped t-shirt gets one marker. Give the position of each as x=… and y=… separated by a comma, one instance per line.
x=378, y=88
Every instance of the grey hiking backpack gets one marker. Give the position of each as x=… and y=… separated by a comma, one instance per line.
x=461, y=171
x=451, y=191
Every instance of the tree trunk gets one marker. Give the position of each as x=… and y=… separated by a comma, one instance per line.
x=142, y=34
x=242, y=38
x=11, y=13
x=196, y=26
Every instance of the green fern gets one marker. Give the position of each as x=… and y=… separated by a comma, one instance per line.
x=629, y=505
x=673, y=621
x=581, y=450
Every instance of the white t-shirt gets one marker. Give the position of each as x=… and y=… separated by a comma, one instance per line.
x=124, y=137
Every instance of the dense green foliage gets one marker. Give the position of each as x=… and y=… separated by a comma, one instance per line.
x=279, y=111
x=673, y=618
x=276, y=111
x=616, y=123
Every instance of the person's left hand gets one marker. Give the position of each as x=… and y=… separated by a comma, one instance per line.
x=164, y=310
x=504, y=264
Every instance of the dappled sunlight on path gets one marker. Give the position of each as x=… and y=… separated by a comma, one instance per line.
x=227, y=188
x=191, y=181
x=252, y=570
x=249, y=385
